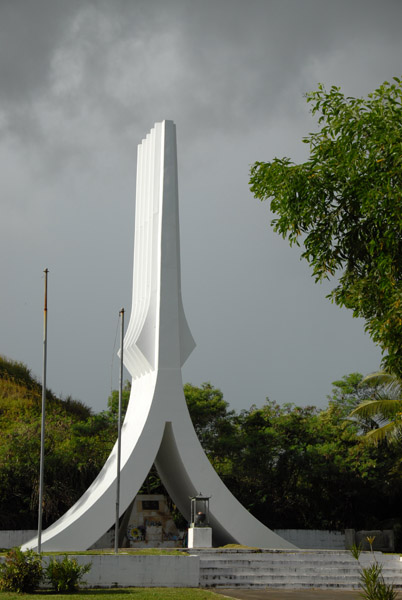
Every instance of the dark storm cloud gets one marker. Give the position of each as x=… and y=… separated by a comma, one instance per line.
x=81, y=82
x=29, y=34
x=216, y=64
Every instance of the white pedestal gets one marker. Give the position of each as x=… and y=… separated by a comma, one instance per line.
x=200, y=537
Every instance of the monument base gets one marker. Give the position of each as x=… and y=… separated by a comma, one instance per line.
x=200, y=537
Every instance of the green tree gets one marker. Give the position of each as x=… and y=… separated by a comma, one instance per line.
x=211, y=417
x=113, y=400
x=344, y=204
x=350, y=391
x=307, y=468
x=383, y=410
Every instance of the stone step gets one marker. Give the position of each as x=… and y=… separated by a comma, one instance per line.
x=328, y=572
x=285, y=563
x=308, y=568
x=386, y=561
x=299, y=557
x=293, y=570
x=288, y=576
x=271, y=577
x=296, y=583
x=287, y=586
x=296, y=565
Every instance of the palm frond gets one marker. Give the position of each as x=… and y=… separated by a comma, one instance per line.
x=386, y=383
x=389, y=432
x=383, y=408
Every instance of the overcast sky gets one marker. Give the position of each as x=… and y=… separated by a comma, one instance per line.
x=81, y=83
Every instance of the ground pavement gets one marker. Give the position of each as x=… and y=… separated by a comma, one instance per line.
x=271, y=594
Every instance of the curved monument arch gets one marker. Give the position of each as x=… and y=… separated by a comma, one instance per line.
x=157, y=427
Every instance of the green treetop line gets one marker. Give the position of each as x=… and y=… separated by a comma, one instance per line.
x=344, y=206
x=291, y=466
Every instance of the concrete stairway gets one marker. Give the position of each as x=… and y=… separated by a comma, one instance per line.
x=227, y=568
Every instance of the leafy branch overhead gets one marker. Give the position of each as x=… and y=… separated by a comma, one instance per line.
x=344, y=206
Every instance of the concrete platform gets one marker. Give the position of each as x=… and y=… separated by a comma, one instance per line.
x=272, y=594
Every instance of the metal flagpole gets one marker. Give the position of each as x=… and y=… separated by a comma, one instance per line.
x=42, y=435
x=116, y=530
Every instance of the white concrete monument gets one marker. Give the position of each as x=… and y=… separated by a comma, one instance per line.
x=157, y=426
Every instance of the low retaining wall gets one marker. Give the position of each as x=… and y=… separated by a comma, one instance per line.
x=124, y=570
x=15, y=537
x=314, y=539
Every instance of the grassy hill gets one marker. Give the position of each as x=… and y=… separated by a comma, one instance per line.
x=77, y=443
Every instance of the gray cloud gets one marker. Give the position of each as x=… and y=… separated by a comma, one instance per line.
x=81, y=84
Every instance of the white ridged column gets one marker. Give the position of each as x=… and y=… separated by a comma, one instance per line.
x=157, y=427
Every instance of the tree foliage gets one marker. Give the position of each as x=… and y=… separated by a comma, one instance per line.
x=344, y=204
x=349, y=391
x=307, y=468
x=113, y=401
x=212, y=419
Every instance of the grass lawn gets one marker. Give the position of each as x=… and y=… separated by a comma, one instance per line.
x=120, y=594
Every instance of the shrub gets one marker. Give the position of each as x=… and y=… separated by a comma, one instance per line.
x=355, y=550
x=373, y=585
x=21, y=571
x=372, y=582
x=64, y=575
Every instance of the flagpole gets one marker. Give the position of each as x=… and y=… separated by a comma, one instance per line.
x=116, y=530
x=42, y=436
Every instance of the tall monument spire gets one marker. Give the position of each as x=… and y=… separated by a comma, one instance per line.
x=157, y=426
